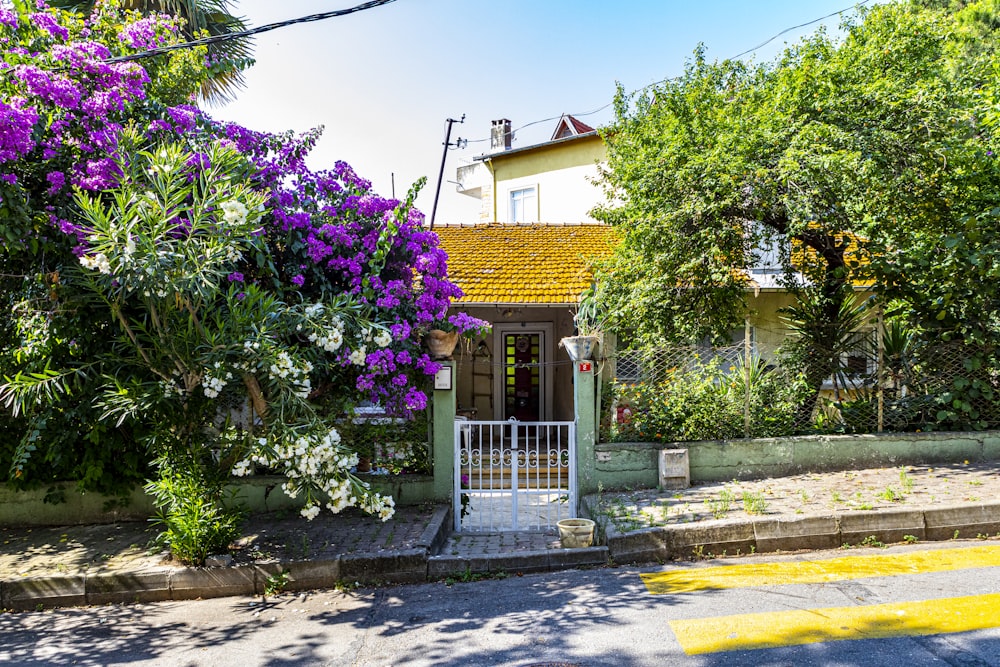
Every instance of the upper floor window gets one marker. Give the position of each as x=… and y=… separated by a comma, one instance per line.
x=524, y=205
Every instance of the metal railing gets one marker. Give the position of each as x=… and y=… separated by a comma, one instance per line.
x=514, y=475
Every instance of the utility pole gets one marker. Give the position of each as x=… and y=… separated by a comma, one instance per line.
x=444, y=155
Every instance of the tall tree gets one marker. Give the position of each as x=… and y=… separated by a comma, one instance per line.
x=843, y=153
x=226, y=60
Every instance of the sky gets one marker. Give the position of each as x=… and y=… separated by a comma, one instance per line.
x=383, y=81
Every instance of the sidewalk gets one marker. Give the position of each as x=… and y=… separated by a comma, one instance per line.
x=99, y=564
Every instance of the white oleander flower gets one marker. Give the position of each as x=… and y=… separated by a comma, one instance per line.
x=98, y=262
x=242, y=469
x=234, y=212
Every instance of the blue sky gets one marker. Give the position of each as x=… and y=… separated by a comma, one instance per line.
x=383, y=81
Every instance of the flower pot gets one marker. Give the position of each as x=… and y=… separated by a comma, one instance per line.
x=575, y=533
x=364, y=464
x=441, y=344
x=580, y=347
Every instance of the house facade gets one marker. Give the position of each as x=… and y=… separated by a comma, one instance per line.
x=526, y=279
x=550, y=182
x=525, y=263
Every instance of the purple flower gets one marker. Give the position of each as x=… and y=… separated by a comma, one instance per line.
x=8, y=18
x=56, y=180
x=141, y=35
x=235, y=277
x=299, y=280
x=16, y=125
x=48, y=23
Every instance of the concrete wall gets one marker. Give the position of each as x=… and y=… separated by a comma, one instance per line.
x=621, y=465
x=257, y=494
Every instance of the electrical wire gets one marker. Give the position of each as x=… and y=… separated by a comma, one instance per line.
x=242, y=34
x=668, y=79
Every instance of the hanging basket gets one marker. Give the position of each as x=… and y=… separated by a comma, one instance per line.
x=580, y=347
x=441, y=344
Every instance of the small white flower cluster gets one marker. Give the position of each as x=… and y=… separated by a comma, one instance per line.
x=171, y=389
x=320, y=462
x=332, y=338
x=146, y=202
x=383, y=338
x=381, y=506
x=234, y=212
x=233, y=253
x=242, y=468
x=163, y=163
x=213, y=385
x=284, y=368
x=358, y=356
x=314, y=309
x=99, y=262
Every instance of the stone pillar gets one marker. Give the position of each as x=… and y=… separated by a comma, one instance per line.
x=444, y=434
x=586, y=426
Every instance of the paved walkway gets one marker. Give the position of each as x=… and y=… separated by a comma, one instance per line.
x=74, y=565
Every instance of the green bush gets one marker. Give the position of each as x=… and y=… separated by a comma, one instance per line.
x=708, y=402
x=192, y=511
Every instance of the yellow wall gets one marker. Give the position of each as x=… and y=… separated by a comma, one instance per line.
x=563, y=174
x=546, y=158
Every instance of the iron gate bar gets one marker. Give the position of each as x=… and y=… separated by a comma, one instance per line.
x=541, y=458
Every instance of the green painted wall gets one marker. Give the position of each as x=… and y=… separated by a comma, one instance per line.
x=257, y=494
x=620, y=465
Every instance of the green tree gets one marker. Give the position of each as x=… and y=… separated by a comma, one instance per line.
x=854, y=158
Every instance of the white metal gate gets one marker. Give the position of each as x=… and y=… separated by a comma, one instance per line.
x=514, y=475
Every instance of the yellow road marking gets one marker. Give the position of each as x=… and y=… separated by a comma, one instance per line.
x=792, y=628
x=819, y=571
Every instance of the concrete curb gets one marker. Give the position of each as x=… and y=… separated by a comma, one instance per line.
x=762, y=535
x=442, y=567
x=187, y=583
x=418, y=564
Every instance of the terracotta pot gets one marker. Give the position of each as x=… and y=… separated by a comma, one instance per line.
x=441, y=344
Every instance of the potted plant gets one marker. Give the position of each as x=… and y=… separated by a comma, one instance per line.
x=589, y=331
x=444, y=333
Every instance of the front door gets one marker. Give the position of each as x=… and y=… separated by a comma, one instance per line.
x=522, y=391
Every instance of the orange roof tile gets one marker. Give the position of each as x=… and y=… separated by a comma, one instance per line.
x=523, y=263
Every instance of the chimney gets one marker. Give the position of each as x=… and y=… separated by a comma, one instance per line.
x=500, y=135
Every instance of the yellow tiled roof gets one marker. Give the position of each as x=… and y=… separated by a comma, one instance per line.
x=523, y=263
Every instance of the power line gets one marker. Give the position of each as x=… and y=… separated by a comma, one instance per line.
x=216, y=39
x=662, y=81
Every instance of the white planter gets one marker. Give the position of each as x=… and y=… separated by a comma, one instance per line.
x=580, y=347
x=576, y=533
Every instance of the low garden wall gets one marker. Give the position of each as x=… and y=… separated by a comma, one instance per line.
x=63, y=504
x=634, y=464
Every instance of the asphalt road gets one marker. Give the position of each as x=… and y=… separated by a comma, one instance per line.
x=924, y=604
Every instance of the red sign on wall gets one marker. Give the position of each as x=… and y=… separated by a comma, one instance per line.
x=586, y=367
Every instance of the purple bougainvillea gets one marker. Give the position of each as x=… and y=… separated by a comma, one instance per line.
x=63, y=111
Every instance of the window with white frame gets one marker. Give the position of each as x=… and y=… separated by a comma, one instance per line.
x=524, y=205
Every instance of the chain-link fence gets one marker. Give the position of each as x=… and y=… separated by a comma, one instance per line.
x=878, y=382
